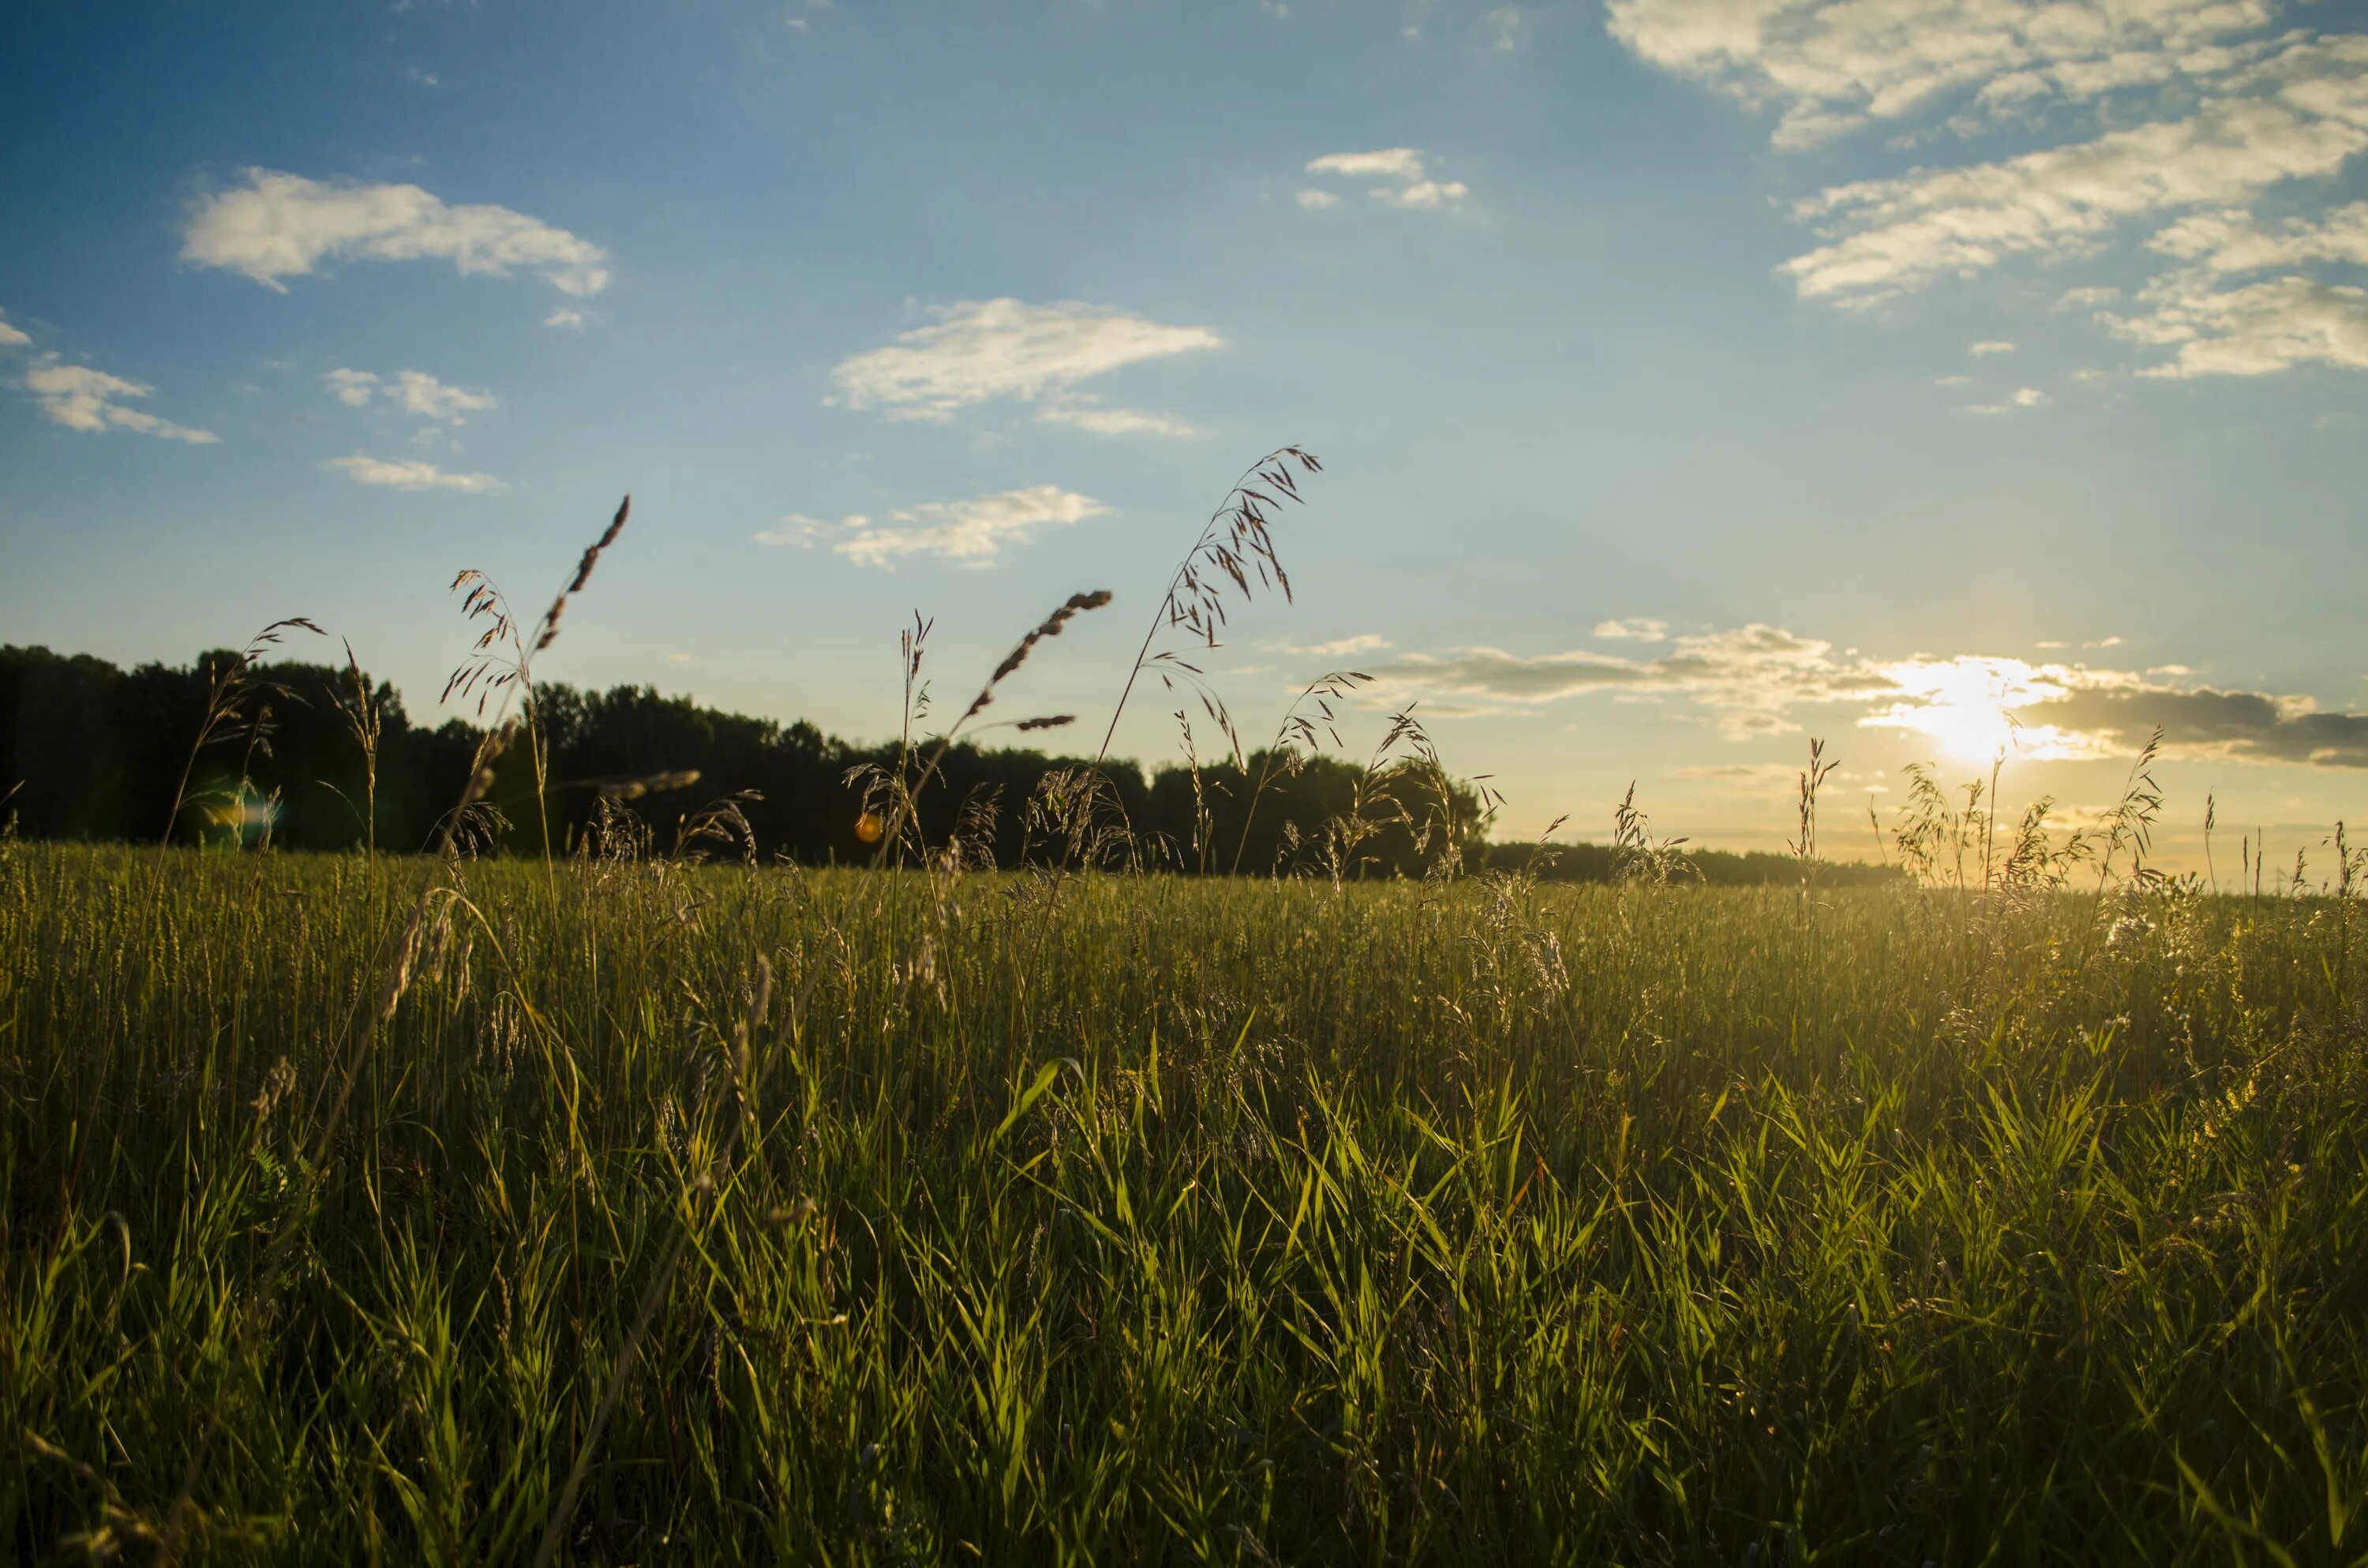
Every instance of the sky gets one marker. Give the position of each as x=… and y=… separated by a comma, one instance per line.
x=1935, y=379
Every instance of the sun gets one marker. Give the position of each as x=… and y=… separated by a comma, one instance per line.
x=1973, y=730
x=1966, y=705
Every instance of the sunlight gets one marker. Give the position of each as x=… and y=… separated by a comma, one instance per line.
x=1968, y=707
x=1973, y=730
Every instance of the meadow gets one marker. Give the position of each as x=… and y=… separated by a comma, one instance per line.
x=628, y=1205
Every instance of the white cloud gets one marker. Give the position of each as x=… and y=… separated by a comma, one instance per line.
x=10, y=337
x=1504, y=27
x=415, y=392
x=2252, y=330
x=1086, y=414
x=567, y=318
x=1339, y=647
x=2087, y=298
x=428, y=398
x=412, y=474
x=1402, y=163
x=1832, y=67
x=797, y=529
x=1892, y=235
x=2223, y=329
x=278, y=226
x=1399, y=177
x=972, y=531
x=83, y=399
x=2199, y=111
x=2231, y=242
x=1634, y=629
x=1952, y=380
x=2020, y=398
x=1983, y=350
x=1424, y=193
x=979, y=350
x=352, y=388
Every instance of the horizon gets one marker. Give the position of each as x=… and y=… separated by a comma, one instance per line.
x=1690, y=380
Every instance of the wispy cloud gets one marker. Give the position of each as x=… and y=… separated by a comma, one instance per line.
x=278, y=226
x=1634, y=629
x=973, y=532
x=2088, y=298
x=11, y=338
x=2196, y=114
x=90, y=400
x=2021, y=398
x=415, y=392
x=1834, y=67
x=1085, y=414
x=1996, y=346
x=1398, y=175
x=567, y=318
x=1757, y=680
x=977, y=351
x=412, y=473
x=1893, y=234
x=1337, y=648
x=2251, y=330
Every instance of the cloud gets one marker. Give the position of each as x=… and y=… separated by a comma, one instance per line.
x=1892, y=234
x=1312, y=200
x=1982, y=350
x=83, y=399
x=2199, y=112
x=2252, y=330
x=1404, y=163
x=1636, y=629
x=1752, y=679
x=1086, y=414
x=2120, y=712
x=972, y=531
x=2229, y=242
x=567, y=318
x=415, y=392
x=10, y=337
x=797, y=529
x=352, y=388
x=2020, y=398
x=1831, y=68
x=412, y=474
x=1748, y=676
x=278, y=226
x=1398, y=175
x=2089, y=298
x=979, y=350
x=1338, y=648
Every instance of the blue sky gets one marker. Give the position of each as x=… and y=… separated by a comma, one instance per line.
x=1693, y=376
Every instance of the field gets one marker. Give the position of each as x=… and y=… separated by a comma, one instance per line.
x=763, y=1215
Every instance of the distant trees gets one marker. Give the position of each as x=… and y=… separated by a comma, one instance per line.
x=96, y=752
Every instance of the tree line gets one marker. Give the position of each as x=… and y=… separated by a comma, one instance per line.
x=317, y=757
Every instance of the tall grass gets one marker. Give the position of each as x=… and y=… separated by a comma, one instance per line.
x=624, y=1207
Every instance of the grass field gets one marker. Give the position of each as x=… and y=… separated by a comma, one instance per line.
x=837, y=1216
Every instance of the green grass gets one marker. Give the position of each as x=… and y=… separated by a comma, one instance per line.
x=1168, y=1220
